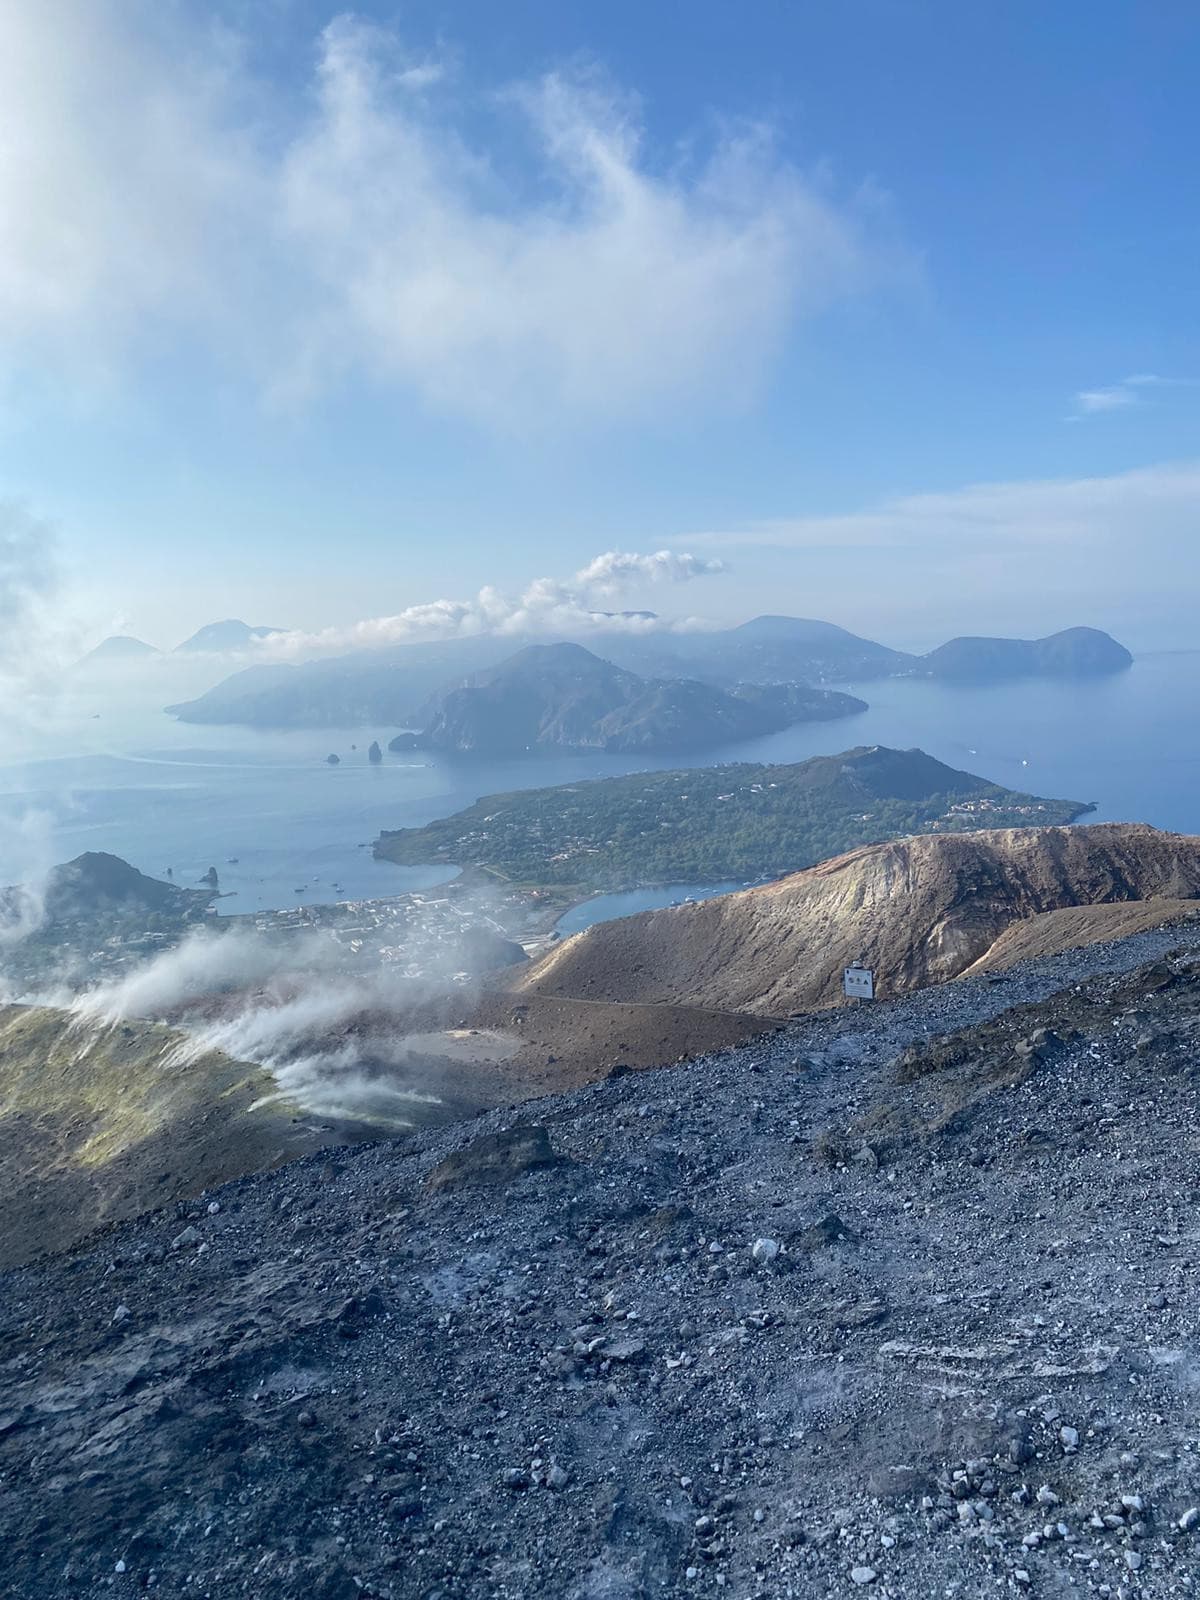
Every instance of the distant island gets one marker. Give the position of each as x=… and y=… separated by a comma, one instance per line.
x=85, y=909
x=1073, y=653
x=738, y=821
x=390, y=687
x=561, y=696
x=119, y=647
x=223, y=638
x=768, y=649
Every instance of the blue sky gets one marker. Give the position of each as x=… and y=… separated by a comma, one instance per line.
x=314, y=318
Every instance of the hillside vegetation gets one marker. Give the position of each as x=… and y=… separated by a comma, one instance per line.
x=711, y=823
x=101, y=1123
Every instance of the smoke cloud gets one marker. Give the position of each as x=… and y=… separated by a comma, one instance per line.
x=22, y=909
x=28, y=581
x=546, y=606
x=203, y=965
x=338, y=1039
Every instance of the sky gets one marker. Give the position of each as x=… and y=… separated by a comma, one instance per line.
x=883, y=312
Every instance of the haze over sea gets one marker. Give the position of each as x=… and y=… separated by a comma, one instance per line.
x=132, y=781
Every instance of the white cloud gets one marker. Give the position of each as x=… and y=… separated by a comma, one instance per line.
x=150, y=188
x=547, y=606
x=1123, y=511
x=1121, y=396
x=1011, y=556
x=1114, y=399
x=616, y=569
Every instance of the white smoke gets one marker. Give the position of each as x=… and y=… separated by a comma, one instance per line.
x=29, y=654
x=23, y=908
x=28, y=682
x=204, y=964
x=335, y=1038
x=618, y=569
x=548, y=606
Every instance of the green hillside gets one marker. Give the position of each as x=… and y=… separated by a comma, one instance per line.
x=711, y=823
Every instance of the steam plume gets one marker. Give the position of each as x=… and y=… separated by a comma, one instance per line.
x=28, y=578
x=337, y=1039
x=546, y=606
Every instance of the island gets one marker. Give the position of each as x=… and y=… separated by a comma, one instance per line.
x=738, y=821
x=1073, y=653
x=119, y=647
x=225, y=638
x=561, y=696
x=91, y=911
x=384, y=687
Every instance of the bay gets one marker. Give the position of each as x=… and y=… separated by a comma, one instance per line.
x=163, y=794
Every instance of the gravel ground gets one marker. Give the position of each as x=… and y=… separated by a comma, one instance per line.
x=873, y=1306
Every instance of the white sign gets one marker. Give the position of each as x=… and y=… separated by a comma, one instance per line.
x=858, y=983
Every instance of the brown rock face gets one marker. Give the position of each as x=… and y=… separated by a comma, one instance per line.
x=918, y=910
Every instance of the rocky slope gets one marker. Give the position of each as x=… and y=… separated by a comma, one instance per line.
x=901, y=1301
x=1075, y=927
x=100, y=1120
x=917, y=910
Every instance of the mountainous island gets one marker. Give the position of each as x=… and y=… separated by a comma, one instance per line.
x=221, y=638
x=84, y=910
x=561, y=696
x=709, y=824
x=386, y=687
x=767, y=649
x=118, y=648
x=1073, y=653
x=369, y=688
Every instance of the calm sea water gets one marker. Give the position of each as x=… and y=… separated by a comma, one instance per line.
x=604, y=907
x=162, y=794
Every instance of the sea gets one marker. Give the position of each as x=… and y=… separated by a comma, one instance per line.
x=282, y=826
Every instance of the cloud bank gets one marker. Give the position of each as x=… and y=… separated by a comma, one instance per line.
x=507, y=252
x=1050, y=552
x=1159, y=502
x=546, y=606
x=1122, y=396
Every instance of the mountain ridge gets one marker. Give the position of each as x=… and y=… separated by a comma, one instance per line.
x=564, y=696
x=918, y=911
x=119, y=647
x=226, y=637
x=386, y=686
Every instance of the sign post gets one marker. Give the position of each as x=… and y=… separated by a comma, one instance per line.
x=858, y=982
